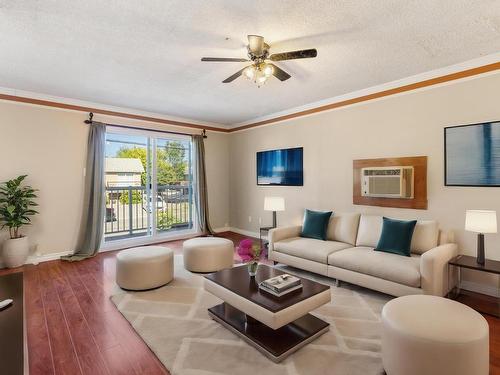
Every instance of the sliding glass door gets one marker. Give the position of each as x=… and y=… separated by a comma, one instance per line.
x=148, y=185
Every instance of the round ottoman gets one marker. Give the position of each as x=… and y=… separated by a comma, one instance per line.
x=208, y=254
x=144, y=267
x=432, y=335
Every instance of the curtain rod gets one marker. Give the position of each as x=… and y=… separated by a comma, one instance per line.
x=91, y=115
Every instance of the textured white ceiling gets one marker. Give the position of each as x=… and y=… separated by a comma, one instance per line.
x=146, y=54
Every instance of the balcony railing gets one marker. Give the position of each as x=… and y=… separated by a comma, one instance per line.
x=128, y=209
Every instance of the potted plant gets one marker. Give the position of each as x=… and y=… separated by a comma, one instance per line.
x=16, y=202
x=251, y=253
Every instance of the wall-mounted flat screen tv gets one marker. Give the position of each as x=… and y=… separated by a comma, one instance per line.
x=472, y=155
x=280, y=167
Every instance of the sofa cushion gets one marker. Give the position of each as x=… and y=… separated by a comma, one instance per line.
x=396, y=236
x=391, y=267
x=370, y=228
x=425, y=236
x=309, y=248
x=315, y=223
x=343, y=227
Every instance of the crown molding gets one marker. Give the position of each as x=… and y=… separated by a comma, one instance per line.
x=468, y=69
x=33, y=98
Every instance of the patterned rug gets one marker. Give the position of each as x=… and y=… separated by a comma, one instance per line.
x=174, y=323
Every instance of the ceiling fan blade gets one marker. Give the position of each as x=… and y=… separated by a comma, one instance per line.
x=234, y=76
x=302, y=54
x=256, y=44
x=223, y=59
x=280, y=73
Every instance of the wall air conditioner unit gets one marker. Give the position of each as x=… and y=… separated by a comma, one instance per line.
x=387, y=182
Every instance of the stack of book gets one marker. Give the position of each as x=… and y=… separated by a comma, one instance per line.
x=281, y=285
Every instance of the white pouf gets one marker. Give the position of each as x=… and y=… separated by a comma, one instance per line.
x=423, y=334
x=144, y=267
x=208, y=254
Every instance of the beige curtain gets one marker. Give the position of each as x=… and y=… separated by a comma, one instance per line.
x=200, y=180
x=92, y=224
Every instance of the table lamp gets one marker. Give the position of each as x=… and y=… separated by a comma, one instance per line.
x=274, y=204
x=480, y=222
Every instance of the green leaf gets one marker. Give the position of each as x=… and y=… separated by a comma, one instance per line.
x=16, y=202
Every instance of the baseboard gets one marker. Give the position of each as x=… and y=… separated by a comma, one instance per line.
x=480, y=288
x=35, y=259
x=244, y=232
x=222, y=229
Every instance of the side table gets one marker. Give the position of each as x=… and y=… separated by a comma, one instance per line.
x=265, y=231
x=489, y=306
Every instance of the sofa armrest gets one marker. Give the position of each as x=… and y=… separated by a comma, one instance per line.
x=278, y=234
x=434, y=269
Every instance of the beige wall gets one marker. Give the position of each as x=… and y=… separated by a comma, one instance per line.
x=405, y=125
x=50, y=146
x=217, y=163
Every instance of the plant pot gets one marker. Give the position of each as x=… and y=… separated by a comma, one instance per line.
x=15, y=252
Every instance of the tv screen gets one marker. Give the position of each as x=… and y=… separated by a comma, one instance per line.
x=280, y=167
x=472, y=154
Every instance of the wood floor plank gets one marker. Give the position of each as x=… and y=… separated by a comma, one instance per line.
x=89, y=355
x=39, y=348
x=118, y=361
x=96, y=320
x=63, y=351
x=97, y=292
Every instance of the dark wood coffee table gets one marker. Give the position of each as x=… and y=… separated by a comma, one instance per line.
x=276, y=326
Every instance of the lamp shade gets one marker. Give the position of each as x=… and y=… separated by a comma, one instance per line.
x=274, y=204
x=481, y=221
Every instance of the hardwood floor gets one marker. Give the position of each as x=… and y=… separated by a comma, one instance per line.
x=73, y=327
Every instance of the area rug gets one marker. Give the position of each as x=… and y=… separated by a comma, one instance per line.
x=174, y=323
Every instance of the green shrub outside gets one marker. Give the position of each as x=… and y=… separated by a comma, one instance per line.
x=165, y=220
x=136, y=197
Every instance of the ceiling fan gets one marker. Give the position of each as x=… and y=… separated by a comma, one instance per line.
x=260, y=69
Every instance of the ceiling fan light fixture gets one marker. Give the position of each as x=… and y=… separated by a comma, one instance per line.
x=249, y=72
x=260, y=77
x=268, y=70
x=261, y=80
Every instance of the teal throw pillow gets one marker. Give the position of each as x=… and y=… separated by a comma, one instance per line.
x=396, y=236
x=315, y=224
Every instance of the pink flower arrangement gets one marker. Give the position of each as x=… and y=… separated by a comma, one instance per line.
x=248, y=251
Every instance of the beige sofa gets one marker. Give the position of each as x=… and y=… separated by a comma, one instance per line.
x=348, y=255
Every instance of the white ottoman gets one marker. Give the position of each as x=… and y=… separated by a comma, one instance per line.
x=144, y=267
x=208, y=254
x=431, y=335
